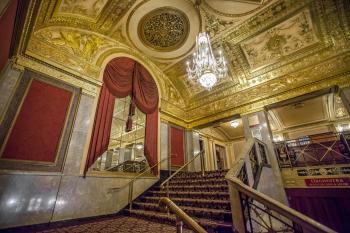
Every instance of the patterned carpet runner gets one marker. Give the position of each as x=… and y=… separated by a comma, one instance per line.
x=112, y=224
x=206, y=199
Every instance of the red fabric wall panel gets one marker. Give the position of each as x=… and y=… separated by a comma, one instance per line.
x=7, y=22
x=177, y=146
x=36, y=133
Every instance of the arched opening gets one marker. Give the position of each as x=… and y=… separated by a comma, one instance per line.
x=126, y=81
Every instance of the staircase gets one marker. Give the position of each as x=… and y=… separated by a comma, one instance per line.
x=204, y=198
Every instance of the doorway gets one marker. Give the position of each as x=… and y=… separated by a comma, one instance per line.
x=220, y=157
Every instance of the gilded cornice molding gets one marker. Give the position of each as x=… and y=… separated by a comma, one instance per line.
x=87, y=88
x=75, y=49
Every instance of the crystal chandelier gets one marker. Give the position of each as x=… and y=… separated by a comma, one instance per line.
x=206, y=69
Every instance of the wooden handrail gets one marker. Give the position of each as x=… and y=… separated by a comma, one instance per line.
x=181, y=168
x=181, y=216
x=297, y=217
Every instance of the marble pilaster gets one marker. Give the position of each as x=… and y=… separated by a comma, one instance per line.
x=257, y=125
x=8, y=80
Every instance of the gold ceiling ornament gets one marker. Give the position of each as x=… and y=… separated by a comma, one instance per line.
x=88, y=8
x=164, y=29
x=308, y=69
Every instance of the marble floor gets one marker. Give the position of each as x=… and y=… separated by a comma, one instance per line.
x=119, y=223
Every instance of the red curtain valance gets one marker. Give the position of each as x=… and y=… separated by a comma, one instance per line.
x=122, y=77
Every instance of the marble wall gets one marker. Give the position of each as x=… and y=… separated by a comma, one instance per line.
x=164, y=147
x=32, y=198
x=8, y=80
x=270, y=183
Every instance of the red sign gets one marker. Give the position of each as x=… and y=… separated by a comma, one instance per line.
x=328, y=182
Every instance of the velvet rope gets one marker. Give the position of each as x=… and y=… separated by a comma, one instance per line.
x=122, y=77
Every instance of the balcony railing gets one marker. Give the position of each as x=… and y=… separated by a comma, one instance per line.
x=314, y=150
x=253, y=211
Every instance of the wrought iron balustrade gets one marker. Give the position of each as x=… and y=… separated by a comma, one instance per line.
x=314, y=150
x=253, y=211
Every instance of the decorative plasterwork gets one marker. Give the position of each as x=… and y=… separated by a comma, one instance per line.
x=87, y=8
x=339, y=109
x=286, y=38
x=82, y=44
x=101, y=21
x=164, y=28
x=79, y=47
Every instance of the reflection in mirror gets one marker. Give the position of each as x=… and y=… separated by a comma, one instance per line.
x=126, y=149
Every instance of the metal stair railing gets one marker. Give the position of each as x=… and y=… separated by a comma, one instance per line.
x=181, y=216
x=131, y=183
x=253, y=211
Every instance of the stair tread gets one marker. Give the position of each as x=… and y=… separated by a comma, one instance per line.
x=199, y=186
x=201, y=221
x=198, y=179
x=190, y=192
x=184, y=208
x=218, y=201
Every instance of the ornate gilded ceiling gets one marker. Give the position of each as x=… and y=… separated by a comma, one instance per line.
x=164, y=28
x=276, y=49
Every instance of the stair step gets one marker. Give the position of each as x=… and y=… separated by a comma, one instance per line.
x=189, y=194
x=211, y=226
x=212, y=188
x=208, y=178
x=207, y=213
x=204, y=203
x=207, y=173
x=198, y=182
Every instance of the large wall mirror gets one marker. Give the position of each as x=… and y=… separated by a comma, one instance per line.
x=126, y=149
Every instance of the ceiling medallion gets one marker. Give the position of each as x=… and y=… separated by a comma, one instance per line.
x=206, y=68
x=164, y=29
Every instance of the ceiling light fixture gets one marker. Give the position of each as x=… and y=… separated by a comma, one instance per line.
x=234, y=124
x=139, y=146
x=206, y=68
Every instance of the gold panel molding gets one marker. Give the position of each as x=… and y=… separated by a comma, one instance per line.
x=286, y=38
x=164, y=29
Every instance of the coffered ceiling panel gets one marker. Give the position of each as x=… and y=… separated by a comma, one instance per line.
x=292, y=35
x=305, y=112
x=78, y=8
x=231, y=132
x=233, y=8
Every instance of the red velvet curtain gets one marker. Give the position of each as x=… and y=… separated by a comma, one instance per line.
x=151, y=139
x=102, y=126
x=330, y=206
x=122, y=77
